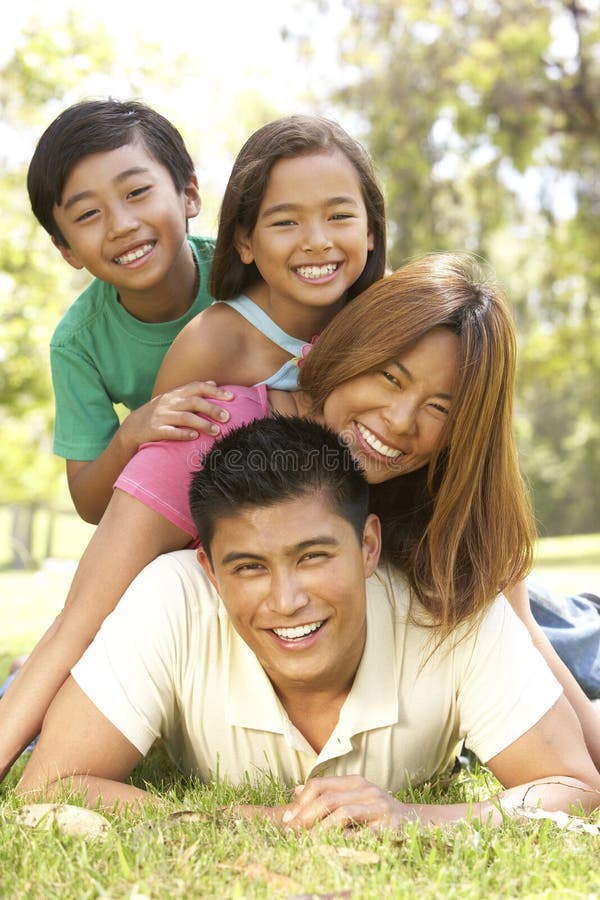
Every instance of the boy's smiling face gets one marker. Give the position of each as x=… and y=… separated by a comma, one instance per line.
x=125, y=222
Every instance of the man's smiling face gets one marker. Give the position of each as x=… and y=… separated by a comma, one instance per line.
x=292, y=578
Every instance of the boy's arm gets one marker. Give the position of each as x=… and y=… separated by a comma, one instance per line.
x=178, y=415
x=548, y=766
x=588, y=715
x=129, y=536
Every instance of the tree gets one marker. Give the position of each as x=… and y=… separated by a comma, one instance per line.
x=482, y=119
x=33, y=286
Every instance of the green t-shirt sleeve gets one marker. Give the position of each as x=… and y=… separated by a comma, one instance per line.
x=85, y=416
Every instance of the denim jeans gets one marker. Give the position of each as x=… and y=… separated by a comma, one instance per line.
x=572, y=625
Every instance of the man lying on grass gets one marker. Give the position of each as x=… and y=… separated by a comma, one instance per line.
x=273, y=654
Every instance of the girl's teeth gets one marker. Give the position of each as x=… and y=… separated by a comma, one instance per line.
x=316, y=271
x=291, y=634
x=133, y=255
x=376, y=444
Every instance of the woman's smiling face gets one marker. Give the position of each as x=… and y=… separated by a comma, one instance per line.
x=392, y=418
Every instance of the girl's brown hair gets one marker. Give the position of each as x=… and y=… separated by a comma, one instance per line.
x=287, y=138
x=461, y=528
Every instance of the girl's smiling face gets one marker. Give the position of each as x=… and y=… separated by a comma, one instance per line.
x=312, y=235
x=392, y=419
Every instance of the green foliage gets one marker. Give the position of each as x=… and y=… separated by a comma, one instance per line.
x=483, y=121
x=35, y=286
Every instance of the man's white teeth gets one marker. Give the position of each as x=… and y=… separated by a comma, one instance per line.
x=133, y=254
x=316, y=271
x=300, y=631
x=376, y=444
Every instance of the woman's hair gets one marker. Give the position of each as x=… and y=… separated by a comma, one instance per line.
x=286, y=138
x=461, y=528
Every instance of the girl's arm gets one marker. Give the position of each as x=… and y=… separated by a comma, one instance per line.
x=129, y=536
x=208, y=347
x=588, y=715
x=221, y=346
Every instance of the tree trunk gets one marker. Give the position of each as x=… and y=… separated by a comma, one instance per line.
x=22, y=536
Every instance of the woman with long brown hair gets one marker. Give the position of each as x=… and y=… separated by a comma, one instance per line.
x=460, y=527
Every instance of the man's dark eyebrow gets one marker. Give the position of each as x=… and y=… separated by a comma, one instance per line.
x=408, y=375
x=292, y=207
x=248, y=556
x=122, y=176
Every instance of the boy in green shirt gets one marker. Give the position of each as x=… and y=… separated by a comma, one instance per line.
x=114, y=186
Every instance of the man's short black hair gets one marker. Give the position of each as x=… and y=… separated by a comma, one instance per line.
x=97, y=126
x=273, y=460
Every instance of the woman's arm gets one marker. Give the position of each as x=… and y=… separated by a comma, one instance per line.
x=129, y=536
x=588, y=715
x=178, y=415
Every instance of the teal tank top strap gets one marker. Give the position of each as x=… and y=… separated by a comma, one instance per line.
x=265, y=324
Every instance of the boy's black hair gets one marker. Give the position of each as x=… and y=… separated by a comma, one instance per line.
x=98, y=126
x=273, y=460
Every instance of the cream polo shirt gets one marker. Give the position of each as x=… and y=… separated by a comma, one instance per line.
x=167, y=663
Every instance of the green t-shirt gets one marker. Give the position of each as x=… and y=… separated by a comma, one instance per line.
x=101, y=356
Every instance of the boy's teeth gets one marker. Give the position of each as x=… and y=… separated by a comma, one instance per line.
x=133, y=254
x=376, y=444
x=316, y=271
x=290, y=634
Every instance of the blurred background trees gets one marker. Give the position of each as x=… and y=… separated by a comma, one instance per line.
x=483, y=119
x=483, y=122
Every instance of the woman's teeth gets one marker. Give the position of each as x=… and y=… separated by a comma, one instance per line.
x=292, y=634
x=376, y=444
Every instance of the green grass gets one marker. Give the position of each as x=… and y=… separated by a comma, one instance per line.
x=212, y=854
x=30, y=601
x=570, y=564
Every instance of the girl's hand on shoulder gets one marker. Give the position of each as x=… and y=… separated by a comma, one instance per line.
x=181, y=414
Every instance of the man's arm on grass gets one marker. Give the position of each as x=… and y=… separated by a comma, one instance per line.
x=80, y=748
x=588, y=715
x=548, y=766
